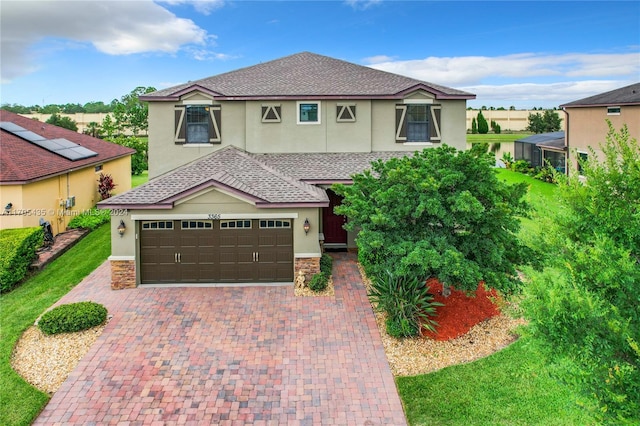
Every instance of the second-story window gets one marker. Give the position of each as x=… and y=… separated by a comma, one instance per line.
x=197, y=124
x=308, y=112
x=418, y=123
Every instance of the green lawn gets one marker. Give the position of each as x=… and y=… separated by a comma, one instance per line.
x=511, y=387
x=496, y=138
x=21, y=402
x=139, y=179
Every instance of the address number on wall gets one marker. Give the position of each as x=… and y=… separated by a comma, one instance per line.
x=214, y=215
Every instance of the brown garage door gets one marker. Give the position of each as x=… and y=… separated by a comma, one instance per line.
x=216, y=251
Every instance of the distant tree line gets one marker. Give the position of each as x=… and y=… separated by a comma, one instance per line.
x=88, y=108
x=127, y=116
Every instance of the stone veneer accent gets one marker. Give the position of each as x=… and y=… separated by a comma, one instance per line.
x=309, y=265
x=123, y=274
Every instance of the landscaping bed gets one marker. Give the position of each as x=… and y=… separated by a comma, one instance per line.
x=485, y=332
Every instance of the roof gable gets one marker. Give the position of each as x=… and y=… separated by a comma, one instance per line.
x=304, y=76
x=23, y=161
x=628, y=95
x=229, y=169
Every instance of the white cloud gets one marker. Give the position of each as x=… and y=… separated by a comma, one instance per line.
x=468, y=70
x=112, y=27
x=202, y=6
x=362, y=4
x=524, y=78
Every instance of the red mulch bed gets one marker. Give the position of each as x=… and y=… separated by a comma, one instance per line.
x=460, y=312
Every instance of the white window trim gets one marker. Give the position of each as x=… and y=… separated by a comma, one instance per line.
x=298, y=103
x=205, y=216
x=613, y=113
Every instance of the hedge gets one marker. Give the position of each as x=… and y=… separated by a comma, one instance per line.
x=17, y=251
x=72, y=317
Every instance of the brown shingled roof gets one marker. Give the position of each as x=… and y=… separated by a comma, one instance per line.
x=230, y=169
x=628, y=95
x=307, y=75
x=23, y=162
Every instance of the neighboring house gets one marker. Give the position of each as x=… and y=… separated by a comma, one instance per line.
x=543, y=149
x=241, y=164
x=586, y=120
x=51, y=173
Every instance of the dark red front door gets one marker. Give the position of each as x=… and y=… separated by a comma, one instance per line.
x=332, y=223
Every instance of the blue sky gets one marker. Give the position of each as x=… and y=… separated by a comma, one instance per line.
x=525, y=54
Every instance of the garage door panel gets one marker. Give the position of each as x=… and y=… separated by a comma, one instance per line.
x=241, y=251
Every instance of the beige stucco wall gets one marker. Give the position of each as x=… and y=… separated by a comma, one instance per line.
x=515, y=120
x=81, y=119
x=588, y=127
x=165, y=155
x=212, y=201
x=451, y=126
x=45, y=198
x=242, y=126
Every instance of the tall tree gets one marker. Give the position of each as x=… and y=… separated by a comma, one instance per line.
x=483, y=126
x=549, y=121
x=130, y=113
x=439, y=213
x=585, y=304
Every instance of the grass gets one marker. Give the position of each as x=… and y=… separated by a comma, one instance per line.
x=511, y=387
x=137, y=180
x=496, y=138
x=21, y=402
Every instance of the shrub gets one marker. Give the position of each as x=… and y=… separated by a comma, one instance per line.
x=105, y=186
x=72, y=317
x=326, y=264
x=406, y=301
x=17, y=251
x=319, y=282
x=90, y=219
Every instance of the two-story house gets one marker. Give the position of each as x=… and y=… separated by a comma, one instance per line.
x=241, y=164
x=586, y=120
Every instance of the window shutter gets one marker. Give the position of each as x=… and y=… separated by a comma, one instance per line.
x=434, y=123
x=215, y=125
x=180, y=123
x=401, y=123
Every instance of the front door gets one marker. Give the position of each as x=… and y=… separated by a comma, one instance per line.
x=332, y=224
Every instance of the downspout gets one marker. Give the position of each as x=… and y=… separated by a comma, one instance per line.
x=566, y=141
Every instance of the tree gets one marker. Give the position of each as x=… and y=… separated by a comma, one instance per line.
x=130, y=112
x=139, y=160
x=439, y=213
x=549, y=121
x=93, y=129
x=483, y=126
x=65, y=122
x=584, y=305
x=474, y=126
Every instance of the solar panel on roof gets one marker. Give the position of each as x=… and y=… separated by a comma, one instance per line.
x=64, y=142
x=61, y=146
x=10, y=127
x=29, y=135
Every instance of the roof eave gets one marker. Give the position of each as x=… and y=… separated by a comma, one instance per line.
x=600, y=104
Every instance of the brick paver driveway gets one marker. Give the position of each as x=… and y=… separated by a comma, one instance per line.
x=251, y=355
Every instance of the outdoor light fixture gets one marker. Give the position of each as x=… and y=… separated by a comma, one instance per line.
x=306, y=226
x=121, y=228
x=7, y=208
